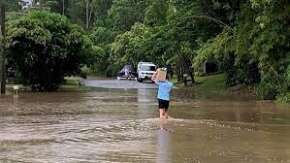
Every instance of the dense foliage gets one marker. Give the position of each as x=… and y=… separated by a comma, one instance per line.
x=44, y=47
x=256, y=50
x=249, y=38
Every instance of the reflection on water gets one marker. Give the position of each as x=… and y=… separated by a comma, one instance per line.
x=122, y=126
x=146, y=103
x=163, y=144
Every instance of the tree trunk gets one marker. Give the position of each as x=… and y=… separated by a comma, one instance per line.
x=2, y=50
x=87, y=14
x=63, y=7
x=91, y=9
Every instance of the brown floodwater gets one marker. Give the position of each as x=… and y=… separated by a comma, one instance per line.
x=121, y=125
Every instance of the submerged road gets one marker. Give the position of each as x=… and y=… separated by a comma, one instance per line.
x=120, y=125
x=119, y=84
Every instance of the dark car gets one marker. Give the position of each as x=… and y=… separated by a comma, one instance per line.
x=127, y=73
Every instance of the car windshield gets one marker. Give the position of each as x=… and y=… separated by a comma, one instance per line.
x=148, y=68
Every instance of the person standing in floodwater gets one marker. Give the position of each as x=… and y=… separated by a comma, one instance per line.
x=164, y=91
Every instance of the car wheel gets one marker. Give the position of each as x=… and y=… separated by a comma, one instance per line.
x=140, y=80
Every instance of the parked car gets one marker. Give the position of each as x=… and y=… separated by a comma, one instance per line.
x=127, y=73
x=145, y=71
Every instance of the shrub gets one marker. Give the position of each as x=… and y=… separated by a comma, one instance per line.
x=45, y=47
x=272, y=84
x=284, y=98
x=112, y=70
x=288, y=77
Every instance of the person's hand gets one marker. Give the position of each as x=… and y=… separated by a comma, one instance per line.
x=153, y=78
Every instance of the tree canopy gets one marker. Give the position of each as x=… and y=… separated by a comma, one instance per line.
x=44, y=47
x=250, y=39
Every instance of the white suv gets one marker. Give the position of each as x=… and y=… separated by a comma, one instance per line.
x=145, y=70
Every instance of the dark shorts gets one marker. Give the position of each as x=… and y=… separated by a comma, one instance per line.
x=163, y=104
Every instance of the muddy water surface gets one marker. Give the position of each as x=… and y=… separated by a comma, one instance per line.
x=117, y=125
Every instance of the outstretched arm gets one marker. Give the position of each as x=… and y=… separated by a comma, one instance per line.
x=154, y=77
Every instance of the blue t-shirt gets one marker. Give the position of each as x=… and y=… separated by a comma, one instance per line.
x=164, y=89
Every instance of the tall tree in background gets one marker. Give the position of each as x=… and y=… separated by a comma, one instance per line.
x=12, y=5
x=58, y=6
x=156, y=13
x=125, y=13
x=88, y=12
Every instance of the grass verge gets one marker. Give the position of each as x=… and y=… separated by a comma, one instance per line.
x=212, y=83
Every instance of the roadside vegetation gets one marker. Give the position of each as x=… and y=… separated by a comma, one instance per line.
x=249, y=39
x=213, y=83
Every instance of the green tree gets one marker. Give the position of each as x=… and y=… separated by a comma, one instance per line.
x=102, y=38
x=45, y=47
x=125, y=13
x=88, y=12
x=12, y=5
x=58, y=6
x=256, y=49
x=156, y=13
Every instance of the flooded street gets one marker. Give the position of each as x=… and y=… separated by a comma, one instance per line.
x=121, y=125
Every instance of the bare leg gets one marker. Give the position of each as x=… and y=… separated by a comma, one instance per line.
x=161, y=113
x=161, y=123
x=162, y=118
x=166, y=114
